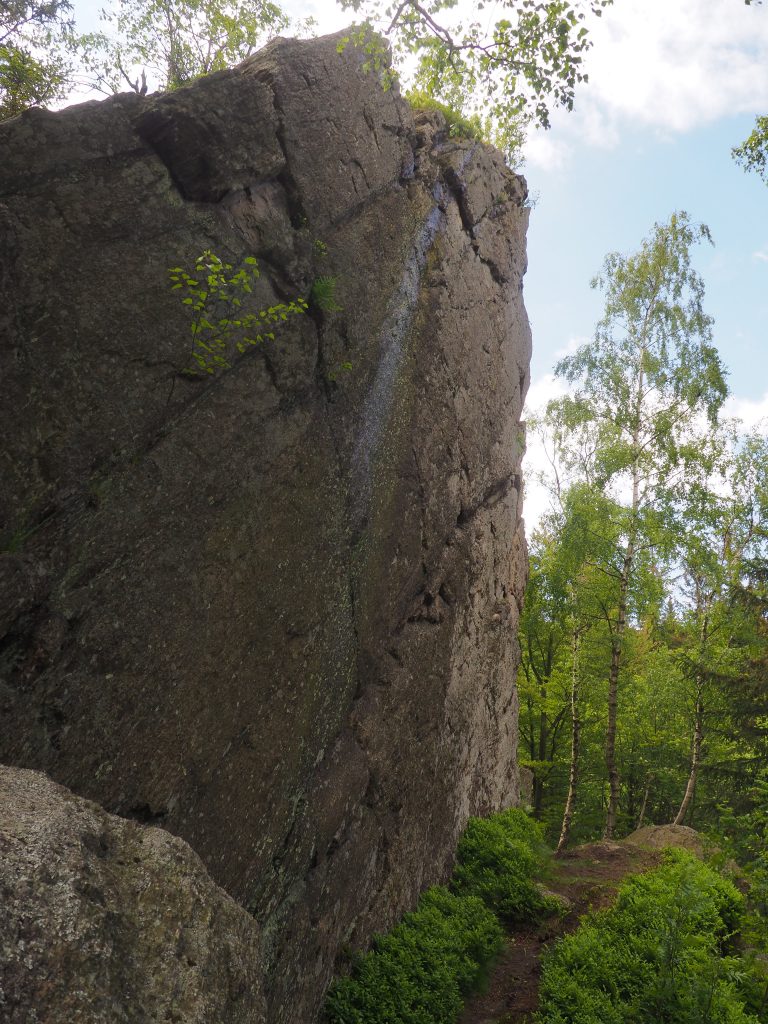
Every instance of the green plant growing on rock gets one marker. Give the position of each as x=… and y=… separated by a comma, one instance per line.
x=220, y=326
x=323, y=294
x=460, y=126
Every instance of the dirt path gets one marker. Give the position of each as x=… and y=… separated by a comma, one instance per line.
x=588, y=876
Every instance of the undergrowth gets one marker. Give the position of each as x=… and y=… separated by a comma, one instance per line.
x=500, y=859
x=663, y=954
x=459, y=125
x=420, y=972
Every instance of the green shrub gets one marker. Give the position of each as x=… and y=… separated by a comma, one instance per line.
x=459, y=126
x=658, y=956
x=323, y=294
x=419, y=972
x=499, y=860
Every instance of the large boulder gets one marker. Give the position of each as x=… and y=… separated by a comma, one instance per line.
x=104, y=920
x=273, y=611
x=659, y=837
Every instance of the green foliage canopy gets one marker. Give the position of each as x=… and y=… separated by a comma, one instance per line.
x=176, y=41
x=752, y=154
x=529, y=60
x=37, y=46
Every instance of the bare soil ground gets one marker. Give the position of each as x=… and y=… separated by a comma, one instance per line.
x=587, y=877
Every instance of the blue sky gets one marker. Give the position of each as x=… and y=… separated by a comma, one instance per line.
x=606, y=199
x=674, y=84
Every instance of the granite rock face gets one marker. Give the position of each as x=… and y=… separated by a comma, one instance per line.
x=107, y=920
x=659, y=837
x=272, y=611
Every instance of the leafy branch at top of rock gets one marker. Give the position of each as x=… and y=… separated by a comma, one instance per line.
x=37, y=46
x=517, y=68
x=221, y=325
x=176, y=41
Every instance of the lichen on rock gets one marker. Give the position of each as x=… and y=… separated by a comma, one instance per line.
x=106, y=920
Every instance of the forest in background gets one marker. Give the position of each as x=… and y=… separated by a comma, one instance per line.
x=643, y=696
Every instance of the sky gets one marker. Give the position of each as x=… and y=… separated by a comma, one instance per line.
x=674, y=84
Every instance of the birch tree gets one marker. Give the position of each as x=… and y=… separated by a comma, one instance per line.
x=642, y=394
x=727, y=530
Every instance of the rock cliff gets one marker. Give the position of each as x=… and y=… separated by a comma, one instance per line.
x=272, y=611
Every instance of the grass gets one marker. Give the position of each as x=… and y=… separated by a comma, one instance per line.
x=459, y=125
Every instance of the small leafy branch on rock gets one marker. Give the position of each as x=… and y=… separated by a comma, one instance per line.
x=220, y=327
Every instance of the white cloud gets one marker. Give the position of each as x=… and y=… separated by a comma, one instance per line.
x=762, y=254
x=753, y=412
x=541, y=391
x=545, y=152
x=536, y=499
x=678, y=65
x=573, y=344
x=670, y=67
x=329, y=17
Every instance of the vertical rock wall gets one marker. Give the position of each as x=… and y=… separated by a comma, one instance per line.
x=273, y=611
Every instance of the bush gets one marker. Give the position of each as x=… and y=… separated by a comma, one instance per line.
x=459, y=125
x=499, y=859
x=419, y=972
x=658, y=956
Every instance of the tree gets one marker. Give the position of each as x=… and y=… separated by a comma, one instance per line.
x=176, y=41
x=727, y=529
x=640, y=390
x=752, y=154
x=37, y=44
x=529, y=59
x=543, y=634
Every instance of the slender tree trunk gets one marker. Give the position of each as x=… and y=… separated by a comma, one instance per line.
x=614, y=783
x=631, y=789
x=573, y=774
x=624, y=588
x=698, y=722
x=613, y=695
x=641, y=816
x=538, y=776
x=698, y=736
